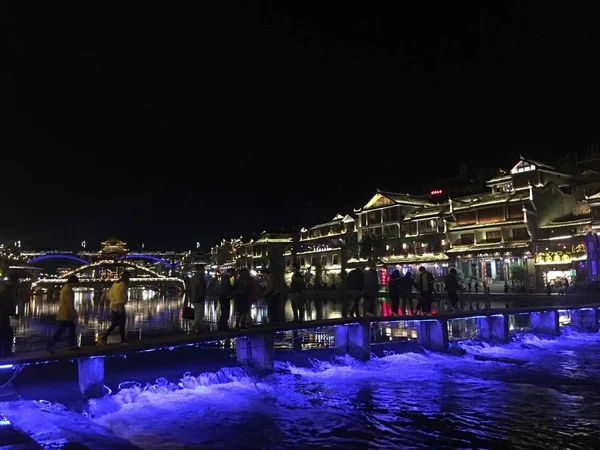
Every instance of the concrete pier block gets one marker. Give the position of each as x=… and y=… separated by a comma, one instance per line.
x=91, y=377
x=433, y=334
x=584, y=320
x=354, y=340
x=545, y=322
x=493, y=328
x=256, y=352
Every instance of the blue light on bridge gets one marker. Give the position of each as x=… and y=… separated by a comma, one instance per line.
x=151, y=258
x=58, y=256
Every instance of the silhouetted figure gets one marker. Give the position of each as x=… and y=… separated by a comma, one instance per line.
x=370, y=291
x=297, y=289
x=67, y=315
x=452, y=286
x=118, y=295
x=356, y=285
x=8, y=298
x=198, y=295
x=225, y=295
x=425, y=286
x=406, y=286
x=394, y=290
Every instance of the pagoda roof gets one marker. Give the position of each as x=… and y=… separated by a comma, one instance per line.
x=113, y=241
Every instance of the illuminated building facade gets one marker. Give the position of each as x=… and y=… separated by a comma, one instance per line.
x=492, y=235
x=406, y=232
x=255, y=253
x=320, y=248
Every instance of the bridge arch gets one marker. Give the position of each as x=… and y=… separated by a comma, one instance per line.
x=151, y=258
x=113, y=263
x=57, y=256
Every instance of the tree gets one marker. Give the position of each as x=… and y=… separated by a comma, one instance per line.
x=225, y=253
x=349, y=249
x=372, y=247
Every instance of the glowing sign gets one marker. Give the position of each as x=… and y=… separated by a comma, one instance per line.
x=436, y=192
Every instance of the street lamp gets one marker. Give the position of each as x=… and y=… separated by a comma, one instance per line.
x=83, y=244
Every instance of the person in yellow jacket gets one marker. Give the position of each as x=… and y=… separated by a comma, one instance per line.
x=117, y=295
x=67, y=315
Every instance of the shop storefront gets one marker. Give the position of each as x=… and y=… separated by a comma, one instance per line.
x=556, y=267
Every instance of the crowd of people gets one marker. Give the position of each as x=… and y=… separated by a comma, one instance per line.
x=244, y=289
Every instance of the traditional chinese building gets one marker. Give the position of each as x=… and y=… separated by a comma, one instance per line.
x=320, y=247
x=254, y=253
x=113, y=248
x=492, y=233
x=406, y=232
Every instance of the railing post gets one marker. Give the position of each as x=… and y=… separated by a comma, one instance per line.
x=354, y=339
x=91, y=377
x=433, y=334
x=256, y=352
x=545, y=322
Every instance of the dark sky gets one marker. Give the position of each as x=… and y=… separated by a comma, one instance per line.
x=195, y=121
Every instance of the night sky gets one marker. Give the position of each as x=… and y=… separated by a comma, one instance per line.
x=192, y=122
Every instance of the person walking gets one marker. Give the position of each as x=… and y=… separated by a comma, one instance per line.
x=67, y=315
x=425, y=286
x=198, y=295
x=274, y=285
x=407, y=283
x=241, y=289
x=356, y=285
x=297, y=288
x=226, y=292
x=394, y=291
x=8, y=300
x=452, y=286
x=117, y=295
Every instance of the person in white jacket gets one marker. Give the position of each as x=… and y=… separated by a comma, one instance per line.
x=67, y=315
x=117, y=295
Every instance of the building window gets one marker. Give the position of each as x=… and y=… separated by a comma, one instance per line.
x=303, y=261
x=515, y=212
x=489, y=215
x=466, y=218
x=336, y=259
x=493, y=236
x=363, y=220
x=467, y=239
x=412, y=228
x=520, y=234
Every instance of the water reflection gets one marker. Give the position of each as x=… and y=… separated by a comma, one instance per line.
x=149, y=314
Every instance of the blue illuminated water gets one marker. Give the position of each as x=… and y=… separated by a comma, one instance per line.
x=547, y=397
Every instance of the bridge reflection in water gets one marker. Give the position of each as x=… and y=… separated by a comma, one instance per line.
x=150, y=314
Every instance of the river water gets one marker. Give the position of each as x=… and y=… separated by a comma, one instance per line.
x=547, y=395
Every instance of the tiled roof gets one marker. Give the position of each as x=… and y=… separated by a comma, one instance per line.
x=326, y=224
x=568, y=223
x=490, y=198
x=406, y=199
x=537, y=163
x=429, y=212
x=500, y=178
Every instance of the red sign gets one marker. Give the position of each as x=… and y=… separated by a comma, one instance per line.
x=436, y=192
